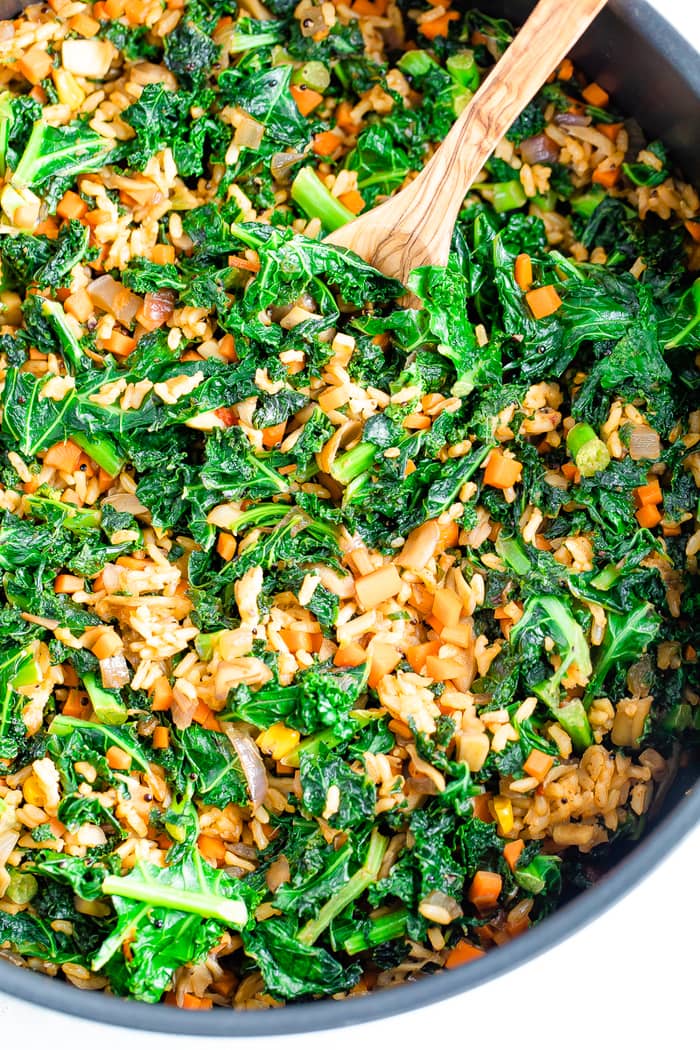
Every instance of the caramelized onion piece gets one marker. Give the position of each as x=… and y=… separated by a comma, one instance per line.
x=112, y=297
x=539, y=149
x=158, y=306
x=251, y=764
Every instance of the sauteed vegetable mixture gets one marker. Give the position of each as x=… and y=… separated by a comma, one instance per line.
x=339, y=639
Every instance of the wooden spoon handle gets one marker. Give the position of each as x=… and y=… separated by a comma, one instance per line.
x=544, y=40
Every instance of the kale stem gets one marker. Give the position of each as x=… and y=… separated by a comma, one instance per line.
x=312, y=196
x=208, y=905
x=354, y=462
x=102, y=450
x=590, y=453
x=106, y=704
x=352, y=889
x=385, y=928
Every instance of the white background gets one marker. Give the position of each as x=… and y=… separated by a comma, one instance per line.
x=628, y=979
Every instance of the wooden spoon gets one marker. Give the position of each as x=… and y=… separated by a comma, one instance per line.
x=414, y=228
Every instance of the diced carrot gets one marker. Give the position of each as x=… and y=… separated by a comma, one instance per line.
x=161, y=738
x=438, y=26
x=38, y=94
x=480, y=807
x=648, y=516
x=227, y=347
x=353, y=201
x=501, y=472
x=566, y=70
x=484, y=890
x=306, y=98
x=84, y=25
x=378, y=586
x=162, y=696
x=120, y=344
x=107, y=644
x=114, y=8
x=99, y=11
x=189, y=1002
x=242, y=263
x=418, y=654
x=447, y=607
x=67, y=584
x=570, y=472
x=670, y=529
x=541, y=543
x=693, y=229
x=370, y=8
x=48, y=228
x=449, y=534
x=79, y=305
x=136, y=564
x=461, y=634
x=97, y=216
x=211, y=847
x=523, y=271
x=104, y=480
x=595, y=95
x=76, y=704
x=134, y=11
x=63, y=456
x=611, y=131
x=227, y=415
x=350, y=655
x=226, y=546
x=35, y=64
x=272, y=436
x=416, y=421
x=410, y=468
x=383, y=659
x=300, y=641
x=117, y=758
x=443, y=669
x=649, y=494
x=605, y=177
x=202, y=713
x=344, y=120
x=70, y=677
x=511, y=852
x=162, y=254
x=543, y=301
x=325, y=143
x=538, y=764
x=463, y=952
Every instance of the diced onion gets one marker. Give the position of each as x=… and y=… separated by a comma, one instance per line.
x=251, y=764
x=88, y=58
x=115, y=672
x=126, y=503
x=644, y=443
x=183, y=708
x=249, y=133
x=112, y=297
x=282, y=165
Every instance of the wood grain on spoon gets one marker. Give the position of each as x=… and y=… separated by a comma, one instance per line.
x=414, y=228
